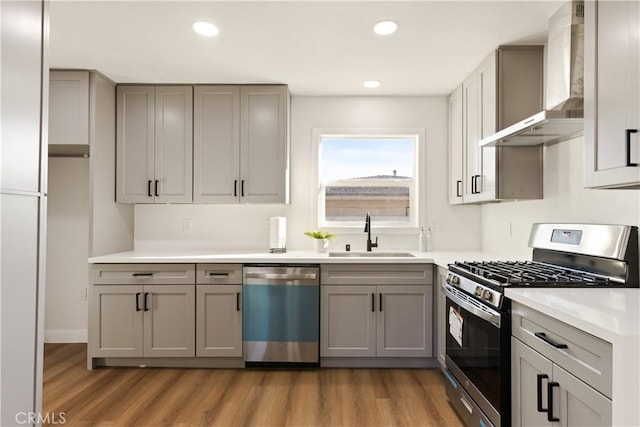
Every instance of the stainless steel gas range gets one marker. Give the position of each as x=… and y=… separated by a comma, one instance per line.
x=478, y=323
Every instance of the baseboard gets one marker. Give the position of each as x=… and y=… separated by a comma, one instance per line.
x=65, y=335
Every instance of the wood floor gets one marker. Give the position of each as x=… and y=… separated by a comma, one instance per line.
x=123, y=397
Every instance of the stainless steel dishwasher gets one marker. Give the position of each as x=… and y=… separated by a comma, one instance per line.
x=281, y=313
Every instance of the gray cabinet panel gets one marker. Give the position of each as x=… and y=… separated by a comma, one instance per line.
x=169, y=321
x=219, y=274
x=264, y=143
x=116, y=321
x=348, y=321
x=379, y=274
x=135, y=144
x=143, y=274
x=578, y=404
x=456, y=141
x=612, y=89
x=441, y=306
x=526, y=365
x=219, y=320
x=69, y=107
x=404, y=321
x=216, y=144
x=173, y=144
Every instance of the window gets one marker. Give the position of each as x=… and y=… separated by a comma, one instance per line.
x=360, y=173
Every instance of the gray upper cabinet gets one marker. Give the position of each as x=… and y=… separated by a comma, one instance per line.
x=69, y=108
x=154, y=144
x=456, y=141
x=504, y=89
x=241, y=144
x=612, y=85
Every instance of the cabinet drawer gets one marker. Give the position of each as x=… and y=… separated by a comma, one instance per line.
x=585, y=356
x=143, y=274
x=376, y=274
x=219, y=274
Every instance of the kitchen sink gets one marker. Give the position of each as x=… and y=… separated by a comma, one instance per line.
x=371, y=254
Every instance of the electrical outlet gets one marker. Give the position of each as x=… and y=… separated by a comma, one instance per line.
x=187, y=225
x=82, y=295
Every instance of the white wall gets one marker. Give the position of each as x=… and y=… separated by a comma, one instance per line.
x=67, y=250
x=245, y=227
x=565, y=200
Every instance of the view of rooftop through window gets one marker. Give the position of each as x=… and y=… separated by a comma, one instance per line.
x=360, y=174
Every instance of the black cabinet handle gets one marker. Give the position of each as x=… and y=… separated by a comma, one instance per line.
x=473, y=185
x=142, y=274
x=242, y=188
x=628, y=146
x=149, y=188
x=458, y=185
x=146, y=307
x=550, y=387
x=138, y=301
x=237, y=301
x=157, y=182
x=380, y=301
x=476, y=178
x=235, y=188
x=539, y=392
x=217, y=274
x=373, y=302
x=549, y=341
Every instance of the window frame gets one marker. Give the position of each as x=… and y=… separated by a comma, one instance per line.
x=415, y=190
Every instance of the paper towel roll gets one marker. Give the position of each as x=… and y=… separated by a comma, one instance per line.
x=278, y=234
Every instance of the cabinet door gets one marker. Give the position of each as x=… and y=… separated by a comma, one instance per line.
x=347, y=321
x=135, y=144
x=471, y=134
x=218, y=320
x=487, y=77
x=69, y=107
x=612, y=93
x=264, y=144
x=216, y=144
x=169, y=321
x=578, y=404
x=442, y=318
x=173, y=144
x=405, y=321
x=116, y=321
x=526, y=365
x=456, y=141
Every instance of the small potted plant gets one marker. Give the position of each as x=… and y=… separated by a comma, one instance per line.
x=321, y=239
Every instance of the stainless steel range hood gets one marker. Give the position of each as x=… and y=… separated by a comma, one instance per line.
x=562, y=118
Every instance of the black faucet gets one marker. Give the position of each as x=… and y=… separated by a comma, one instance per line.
x=367, y=229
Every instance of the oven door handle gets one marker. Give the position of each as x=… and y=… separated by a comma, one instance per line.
x=485, y=313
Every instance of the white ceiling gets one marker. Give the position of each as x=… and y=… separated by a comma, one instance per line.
x=316, y=47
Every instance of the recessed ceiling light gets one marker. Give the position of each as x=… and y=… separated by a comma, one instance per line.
x=205, y=28
x=384, y=28
x=371, y=84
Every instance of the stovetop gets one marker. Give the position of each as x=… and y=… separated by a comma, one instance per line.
x=500, y=274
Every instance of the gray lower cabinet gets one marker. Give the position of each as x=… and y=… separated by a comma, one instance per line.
x=142, y=310
x=441, y=307
x=219, y=320
x=382, y=310
x=142, y=321
x=376, y=321
x=578, y=376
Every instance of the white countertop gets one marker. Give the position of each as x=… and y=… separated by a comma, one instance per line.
x=191, y=256
x=612, y=315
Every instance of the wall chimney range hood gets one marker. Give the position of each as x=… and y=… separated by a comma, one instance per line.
x=562, y=118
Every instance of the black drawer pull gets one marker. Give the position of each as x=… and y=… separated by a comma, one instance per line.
x=373, y=302
x=539, y=392
x=218, y=274
x=138, y=301
x=381, y=301
x=549, y=341
x=550, y=387
x=628, y=146
x=237, y=301
x=142, y=274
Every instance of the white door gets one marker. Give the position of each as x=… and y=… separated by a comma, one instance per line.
x=456, y=140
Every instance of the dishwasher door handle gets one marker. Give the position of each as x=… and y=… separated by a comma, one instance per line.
x=282, y=276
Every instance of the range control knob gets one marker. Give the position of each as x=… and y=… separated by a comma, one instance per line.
x=455, y=280
x=478, y=291
x=448, y=279
x=487, y=295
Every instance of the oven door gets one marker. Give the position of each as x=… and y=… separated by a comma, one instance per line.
x=477, y=352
